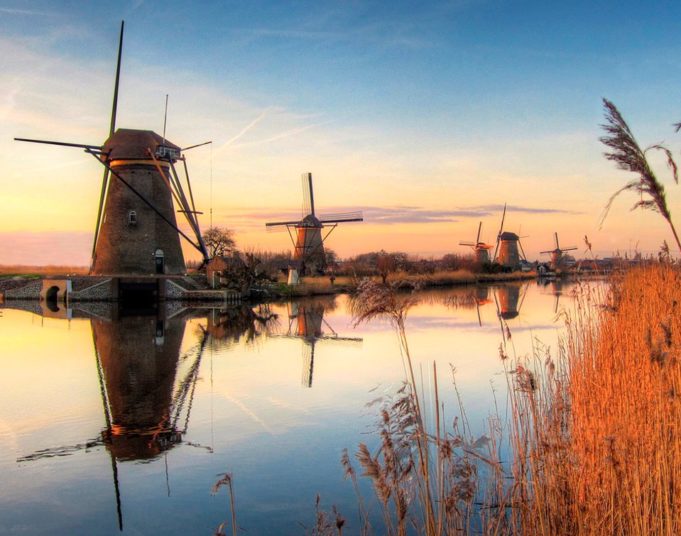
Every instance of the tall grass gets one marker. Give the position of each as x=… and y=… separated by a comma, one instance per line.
x=594, y=432
x=425, y=476
x=597, y=437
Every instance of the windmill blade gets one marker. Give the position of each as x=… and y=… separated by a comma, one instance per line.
x=501, y=230
x=112, y=128
x=91, y=148
x=308, y=194
x=100, y=210
x=277, y=223
x=471, y=244
x=342, y=217
x=547, y=252
x=555, y=235
x=571, y=248
x=520, y=245
x=477, y=240
x=195, y=146
x=114, y=107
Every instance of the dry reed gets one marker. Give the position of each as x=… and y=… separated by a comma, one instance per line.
x=424, y=476
x=628, y=155
x=597, y=435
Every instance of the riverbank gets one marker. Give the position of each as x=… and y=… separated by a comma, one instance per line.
x=324, y=285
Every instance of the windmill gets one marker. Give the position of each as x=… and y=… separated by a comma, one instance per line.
x=136, y=231
x=557, y=258
x=480, y=249
x=308, y=245
x=308, y=317
x=506, y=251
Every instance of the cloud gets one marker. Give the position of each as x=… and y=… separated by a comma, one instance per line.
x=29, y=12
x=395, y=214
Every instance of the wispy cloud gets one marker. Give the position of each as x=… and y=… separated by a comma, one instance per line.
x=400, y=214
x=27, y=12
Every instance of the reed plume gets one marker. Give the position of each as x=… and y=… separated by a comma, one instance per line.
x=628, y=155
x=226, y=480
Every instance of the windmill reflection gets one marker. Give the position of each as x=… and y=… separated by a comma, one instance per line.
x=555, y=287
x=138, y=360
x=509, y=300
x=306, y=322
x=146, y=383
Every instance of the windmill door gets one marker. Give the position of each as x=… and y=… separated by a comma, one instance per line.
x=159, y=261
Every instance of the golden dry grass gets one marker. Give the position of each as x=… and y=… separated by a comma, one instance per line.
x=595, y=434
x=598, y=440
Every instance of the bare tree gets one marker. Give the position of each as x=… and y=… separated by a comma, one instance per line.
x=219, y=241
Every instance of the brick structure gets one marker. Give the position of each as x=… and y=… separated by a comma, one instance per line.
x=133, y=237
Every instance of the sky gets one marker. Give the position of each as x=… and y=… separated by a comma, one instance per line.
x=427, y=116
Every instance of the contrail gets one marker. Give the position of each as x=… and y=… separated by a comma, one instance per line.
x=245, y=129
x=286, y=134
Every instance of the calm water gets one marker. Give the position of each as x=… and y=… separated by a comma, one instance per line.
x=108, y=418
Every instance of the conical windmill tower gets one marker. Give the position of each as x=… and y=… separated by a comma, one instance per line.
x=480, y=249
x=308, y=246
x=557, y=254
x=508, y=249
x=136, y=231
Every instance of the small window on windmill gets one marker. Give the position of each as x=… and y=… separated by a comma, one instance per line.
x=163, y=151
x=132, y=218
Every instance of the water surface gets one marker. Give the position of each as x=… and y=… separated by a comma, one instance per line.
x=116, y=420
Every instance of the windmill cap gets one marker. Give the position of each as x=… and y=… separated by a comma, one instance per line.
x=131, y=144
x=310, y=221
x=509, y=236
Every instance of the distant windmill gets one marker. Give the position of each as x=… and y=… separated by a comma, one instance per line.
x=480, y=249
x=557, y=257
x=136, y=231
x=506, y=252
x=309, y=242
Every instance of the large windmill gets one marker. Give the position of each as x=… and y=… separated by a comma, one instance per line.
x=557, y=258
x=508, y=249
x=480, y=249
x=136, y=231
x=308, y=245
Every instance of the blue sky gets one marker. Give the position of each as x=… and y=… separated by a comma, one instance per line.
x=442, y=106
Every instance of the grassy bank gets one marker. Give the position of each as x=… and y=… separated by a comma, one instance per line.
x=319, y=285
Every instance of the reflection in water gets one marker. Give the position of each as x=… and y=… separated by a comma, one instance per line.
x=308, y=318
x=555, y=287
x=228, y=326
x=145, y=377
x=146, y=405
